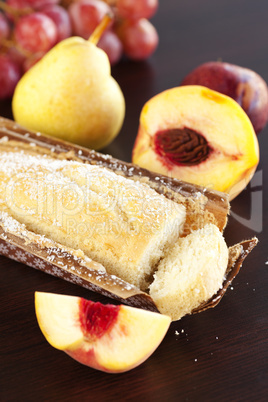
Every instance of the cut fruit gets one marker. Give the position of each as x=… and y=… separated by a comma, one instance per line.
x=106, y=337
x=199, y=136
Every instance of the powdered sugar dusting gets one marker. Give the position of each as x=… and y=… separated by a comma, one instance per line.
x=54, y=251
x=57, y=172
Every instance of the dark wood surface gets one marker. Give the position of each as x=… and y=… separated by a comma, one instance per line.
x=218, y=355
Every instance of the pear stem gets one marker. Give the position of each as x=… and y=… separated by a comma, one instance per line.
x=97, y=33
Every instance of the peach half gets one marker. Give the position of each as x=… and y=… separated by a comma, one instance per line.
x=110, y=338
x=199, y=136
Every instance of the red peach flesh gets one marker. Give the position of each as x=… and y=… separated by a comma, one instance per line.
x=96, y=318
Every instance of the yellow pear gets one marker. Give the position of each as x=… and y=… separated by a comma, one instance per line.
x=70, y=94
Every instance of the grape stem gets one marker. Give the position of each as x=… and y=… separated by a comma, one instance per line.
x=8, y=44
x=13, y=11
x=110, y=2
x=97, y=33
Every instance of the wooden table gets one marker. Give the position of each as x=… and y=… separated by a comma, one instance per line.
x=218, y=355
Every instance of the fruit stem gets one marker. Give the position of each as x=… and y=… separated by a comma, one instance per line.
x=13, y=11
x=97, y=33
x=8, y=44
x=110, y=2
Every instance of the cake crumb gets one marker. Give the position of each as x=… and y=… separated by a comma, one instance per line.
x=178, y=333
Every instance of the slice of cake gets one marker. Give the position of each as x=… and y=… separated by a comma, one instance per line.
x=191, y=273
x=122, y=224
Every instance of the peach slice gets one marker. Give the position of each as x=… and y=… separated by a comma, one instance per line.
x=199, y=136
x=106, y=337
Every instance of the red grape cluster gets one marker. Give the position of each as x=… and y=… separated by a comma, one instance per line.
x=30, y=28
